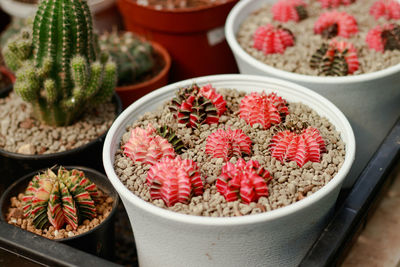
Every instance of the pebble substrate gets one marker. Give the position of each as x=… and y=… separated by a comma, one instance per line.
x=289, y=184
x=20, y=133
x=15, y=217
x=296, y=58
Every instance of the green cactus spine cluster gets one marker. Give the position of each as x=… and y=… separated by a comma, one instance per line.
x=56, y=63
x=134, y=57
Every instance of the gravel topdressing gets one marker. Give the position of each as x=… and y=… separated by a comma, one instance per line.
x=289, y=184
x=296, y=58
x=20, y=133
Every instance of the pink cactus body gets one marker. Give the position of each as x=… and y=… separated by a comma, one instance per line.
x=247, y=181
x=285, y=10
x=334, y=23
x=335, y=3
x=288, y=146
x=389, y=9
x=262, y=108
x=350, y=56
x=382, y=38
x=228, y=143
x=174, y=180
x=147, y=147
x=271, y=41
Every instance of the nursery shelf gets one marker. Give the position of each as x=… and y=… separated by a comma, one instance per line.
x=352, y=211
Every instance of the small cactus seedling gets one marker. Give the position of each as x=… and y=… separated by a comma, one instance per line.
x=272, y=40
x=383, y=38
x=335, y=23
x=67, y=197
x=134, y=57
x=245, y=181
x=285, y=10
x=196, y=105
x=389, y=9
x=335, y=59
x=262, y=108
x=288, y=146
x=228, y=143
x=56, y=63
x=174, y=180
x=145, y=146
x=167, y=133
x=335, y=3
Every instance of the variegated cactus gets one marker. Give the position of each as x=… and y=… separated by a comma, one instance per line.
x=196, y=105
x=228, y=143
x=58, y=69
x=67, y=197
x=167, y=133
x=145, y=146
x=174, y=180
x=245, y=181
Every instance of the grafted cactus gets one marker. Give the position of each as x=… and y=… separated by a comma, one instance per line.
x=56, y=63
x=57, y=199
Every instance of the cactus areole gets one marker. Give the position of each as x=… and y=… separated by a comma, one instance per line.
x=57, y=65
x=58, y=199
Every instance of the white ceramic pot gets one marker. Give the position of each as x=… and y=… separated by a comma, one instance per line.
x=277, y=238
x=24, y=10
x=371, y=101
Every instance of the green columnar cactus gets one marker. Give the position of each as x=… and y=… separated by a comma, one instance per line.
x=134, y=56
x=56, y=199
x=56, y=63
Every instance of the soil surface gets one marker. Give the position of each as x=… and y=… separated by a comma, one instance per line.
x=15, y=217
x=296, y=58
x=21, y=133
x=290, y=183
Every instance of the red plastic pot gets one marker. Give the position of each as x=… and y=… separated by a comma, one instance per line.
x=193, y=36
x=130, y=93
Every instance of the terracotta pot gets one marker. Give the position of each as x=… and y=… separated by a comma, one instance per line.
x=193, y=36
x=130, y=93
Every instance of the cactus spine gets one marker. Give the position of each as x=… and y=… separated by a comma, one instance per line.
x=56, y=63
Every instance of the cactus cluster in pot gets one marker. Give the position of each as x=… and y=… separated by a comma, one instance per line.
x=133, y=55
x=59, y=68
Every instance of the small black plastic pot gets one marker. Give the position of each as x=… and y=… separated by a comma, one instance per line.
x=99, y=241
x=14, y=165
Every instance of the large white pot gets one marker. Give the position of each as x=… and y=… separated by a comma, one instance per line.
x=277, y=238
x=24, y=10
x=371, y=101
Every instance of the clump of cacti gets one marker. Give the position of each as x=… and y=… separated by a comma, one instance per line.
x=196, y=105
x=301, y=148
x=174, y=180
x=263, y=109
x=145, y=146
x=245, y=181
x=134, y=56
x=228, y=143
x=58, y=66
x=67, y=197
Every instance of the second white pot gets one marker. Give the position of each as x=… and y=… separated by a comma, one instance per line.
x=277, y=238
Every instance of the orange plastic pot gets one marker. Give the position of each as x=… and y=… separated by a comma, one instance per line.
x=193, y=36
x=130, y=93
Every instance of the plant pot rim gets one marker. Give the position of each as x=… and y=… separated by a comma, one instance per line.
x=159, y=49
x=180, y=10
x=115, y=99
x=81, y=168
x=112, y=142
x=243, y=55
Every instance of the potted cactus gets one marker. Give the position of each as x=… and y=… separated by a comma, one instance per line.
x=142, y=66
x=71, y=205
x=61, y=80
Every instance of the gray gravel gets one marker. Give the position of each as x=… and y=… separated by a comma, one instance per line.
x=21, y=133
x=289, y=184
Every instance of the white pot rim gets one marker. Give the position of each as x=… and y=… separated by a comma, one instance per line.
x=239, y=51
x=125, y=193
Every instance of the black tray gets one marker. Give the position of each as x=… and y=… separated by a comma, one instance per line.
x=353, y=208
